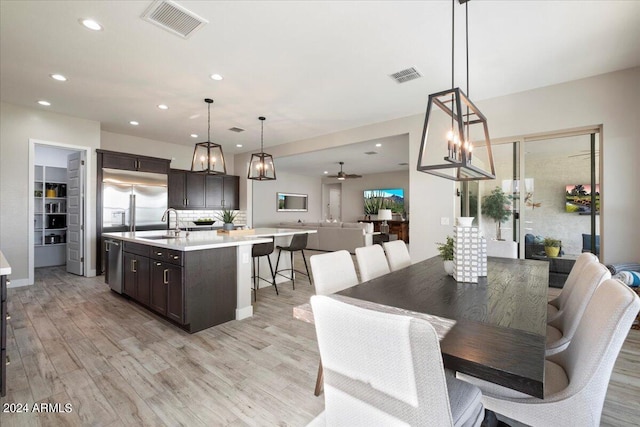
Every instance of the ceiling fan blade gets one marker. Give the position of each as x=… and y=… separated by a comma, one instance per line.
x=352, y=175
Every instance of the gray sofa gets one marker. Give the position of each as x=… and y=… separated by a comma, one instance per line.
x=334, y=236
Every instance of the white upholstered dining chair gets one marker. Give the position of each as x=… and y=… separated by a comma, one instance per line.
x=397, y=254
x=385, y=369
x=561, y=329
x=558, y=304
x=576, y=379
x=372, y=262
x=333, y=272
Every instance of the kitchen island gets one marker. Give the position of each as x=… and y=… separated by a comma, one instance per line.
x=197, y=280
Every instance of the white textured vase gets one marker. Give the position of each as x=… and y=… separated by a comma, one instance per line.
x=465, y=221
x=448, y=267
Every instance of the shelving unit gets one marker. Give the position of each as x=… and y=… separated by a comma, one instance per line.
x=50, y=216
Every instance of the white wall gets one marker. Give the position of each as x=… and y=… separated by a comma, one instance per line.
x=17, y=126
x=264, y=199
x=180, y=155
x=609, y=100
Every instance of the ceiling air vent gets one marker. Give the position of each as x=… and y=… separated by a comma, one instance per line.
x=403, y=164
x=406, y=75
x=237, y=130
x=369, y=153
x=174, y=18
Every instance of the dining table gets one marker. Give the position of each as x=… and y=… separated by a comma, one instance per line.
x=494, y=329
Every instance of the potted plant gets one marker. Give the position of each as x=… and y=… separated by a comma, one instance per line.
x=497, y=207
x=227, y=216
x=446, y=252
x=552, y=247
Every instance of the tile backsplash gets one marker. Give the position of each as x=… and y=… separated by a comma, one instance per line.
x=191, y=215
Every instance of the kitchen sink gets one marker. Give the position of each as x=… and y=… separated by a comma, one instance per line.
x=159, y=237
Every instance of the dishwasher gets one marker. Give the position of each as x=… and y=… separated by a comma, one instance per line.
x=113, y=272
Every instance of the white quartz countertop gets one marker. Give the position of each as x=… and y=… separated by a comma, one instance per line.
x=200, y=240
x=5, y=268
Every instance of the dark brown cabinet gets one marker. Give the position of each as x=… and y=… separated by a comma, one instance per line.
x=223, y=192
x=401, y=228
x=136, y=272
x=189, y=190
x=167, y=284
x=133, y=162
x=3, y=335
x=186, y=190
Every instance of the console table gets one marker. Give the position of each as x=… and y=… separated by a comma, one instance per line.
x=401, y=228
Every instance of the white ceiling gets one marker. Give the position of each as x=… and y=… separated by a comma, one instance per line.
x=310, y=67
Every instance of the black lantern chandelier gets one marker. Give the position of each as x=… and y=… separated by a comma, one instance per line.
x=462, y=116
x=207, y=156
x=262, y=167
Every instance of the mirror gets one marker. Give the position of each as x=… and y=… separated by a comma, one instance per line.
x=288, y=202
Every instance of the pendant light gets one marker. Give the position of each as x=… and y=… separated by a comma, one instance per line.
x=207, y=156
x=456, y=127
x=262, y=167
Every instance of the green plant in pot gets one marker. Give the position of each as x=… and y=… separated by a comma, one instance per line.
x=227, y=216
x=446, y=253
x=497, y=207
x=552, y=247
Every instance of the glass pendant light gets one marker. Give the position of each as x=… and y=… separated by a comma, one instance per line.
x=207, y=156
x=461, y=118
x=262, y=167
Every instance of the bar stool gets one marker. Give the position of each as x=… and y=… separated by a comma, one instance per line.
x=298, y=243
x=257, y=251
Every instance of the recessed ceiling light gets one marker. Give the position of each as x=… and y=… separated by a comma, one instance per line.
x=378, y=145
x=194, y=135
x=91, y=24
x=45, y=103
x=58, y=77
x=326, y=172
x=216, y=77
x=134, y=123
x=163, y=107
x=239, y=145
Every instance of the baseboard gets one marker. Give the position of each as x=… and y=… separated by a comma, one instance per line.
x=244, y=312
x=18, y=283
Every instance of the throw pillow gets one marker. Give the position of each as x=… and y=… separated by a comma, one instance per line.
x=630, y=278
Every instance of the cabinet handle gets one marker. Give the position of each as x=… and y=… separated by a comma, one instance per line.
x=158, y=264
x=176, y=257
x=165, y=275
x=159, y=253
x=133, y=266
x=186, y=202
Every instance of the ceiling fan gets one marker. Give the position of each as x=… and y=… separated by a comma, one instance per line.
x=342, y=176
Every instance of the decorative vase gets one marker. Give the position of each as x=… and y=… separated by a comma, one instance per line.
x=228, y=226
x=448, y=267
x=465, y=221
x=551, y=251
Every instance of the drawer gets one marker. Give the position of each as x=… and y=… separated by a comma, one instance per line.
x=137, y=248
x=167, y=255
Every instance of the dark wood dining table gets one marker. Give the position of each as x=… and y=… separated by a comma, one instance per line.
x=494, y=329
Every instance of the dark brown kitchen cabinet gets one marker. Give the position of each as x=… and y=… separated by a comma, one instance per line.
x=167, y=290
x=190, y=190
x=4, y=317
x=114, y=160
x=186, y=190
x=167, y=284
x=223, y=192
x=136, y=276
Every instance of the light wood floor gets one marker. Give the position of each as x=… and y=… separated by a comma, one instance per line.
x=72, y=340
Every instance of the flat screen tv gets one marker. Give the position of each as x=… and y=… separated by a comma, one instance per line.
x=383, y=198
x=578, y=198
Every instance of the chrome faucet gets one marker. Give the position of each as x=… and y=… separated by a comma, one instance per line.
x=165, y=216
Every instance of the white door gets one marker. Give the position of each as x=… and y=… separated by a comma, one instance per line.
x=75, y=213
x=335, y=197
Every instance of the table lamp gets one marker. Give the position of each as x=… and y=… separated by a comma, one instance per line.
x=384, y=215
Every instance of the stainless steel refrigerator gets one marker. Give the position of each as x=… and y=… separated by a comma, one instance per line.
x=133, y=201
